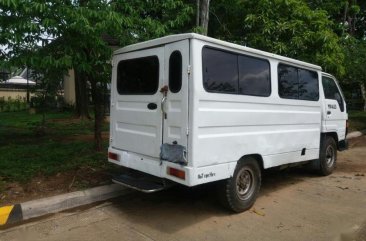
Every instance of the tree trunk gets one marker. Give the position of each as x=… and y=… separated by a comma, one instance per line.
x=205, y=15
x=81, y=95
x=97, y=95
x=363, y=91
x=203, y=10
x=198, y=13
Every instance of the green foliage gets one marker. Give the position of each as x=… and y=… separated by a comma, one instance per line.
x=355, y=53
x=71, y=32
x=10, y=105
x=357, y=120
x=290, y=28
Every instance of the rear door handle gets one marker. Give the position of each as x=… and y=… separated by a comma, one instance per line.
x=152, y=106
x=329, y=112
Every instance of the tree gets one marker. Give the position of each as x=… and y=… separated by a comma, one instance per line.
x=73, y=30
x=291, y=28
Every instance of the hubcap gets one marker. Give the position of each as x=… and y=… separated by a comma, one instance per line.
x=244, y=183
x=329, y=156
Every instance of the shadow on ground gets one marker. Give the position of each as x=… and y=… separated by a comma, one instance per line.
x=180, y=207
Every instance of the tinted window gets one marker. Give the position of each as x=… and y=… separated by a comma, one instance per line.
x=331, y=91
x=138, y=76
x=175, y=72
x=220, y=71
x=254, y=78
x=287, y=82
x=308, y=85
x=296, y=83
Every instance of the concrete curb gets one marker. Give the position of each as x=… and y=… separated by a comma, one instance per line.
x=20, y=212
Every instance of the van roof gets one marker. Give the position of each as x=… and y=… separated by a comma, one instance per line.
x=178, y=37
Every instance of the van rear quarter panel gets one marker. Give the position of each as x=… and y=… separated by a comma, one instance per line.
x=225, y=127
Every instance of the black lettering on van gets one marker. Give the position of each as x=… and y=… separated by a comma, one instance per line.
x=206, y=175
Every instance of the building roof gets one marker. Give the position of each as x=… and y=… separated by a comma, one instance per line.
x=179, y=37
x=18, y=80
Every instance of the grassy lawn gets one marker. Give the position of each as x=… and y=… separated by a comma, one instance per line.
x=357, y=120
x=67, y=145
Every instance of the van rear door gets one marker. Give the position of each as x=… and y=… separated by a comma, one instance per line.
x=176, y=105
x=136, y=120
x=335, y=107
x=150, y=99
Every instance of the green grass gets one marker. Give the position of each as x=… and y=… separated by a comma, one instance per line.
x=25, y=155
x=357, y=120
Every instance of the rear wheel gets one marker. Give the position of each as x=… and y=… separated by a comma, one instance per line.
x=239, y=192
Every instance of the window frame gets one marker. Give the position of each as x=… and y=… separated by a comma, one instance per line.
x=237, y=61
x=343, y=107
x=297, y=68
x=139, y=93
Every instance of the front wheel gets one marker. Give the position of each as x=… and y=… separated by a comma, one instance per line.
x=239, y=192
x=327, y=157
x=327, y=161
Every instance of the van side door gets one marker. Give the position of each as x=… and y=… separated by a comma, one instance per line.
x=335, y=107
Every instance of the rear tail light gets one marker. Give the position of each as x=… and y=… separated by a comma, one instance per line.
x=347, y=126
x=176, y=173
x=113, y=156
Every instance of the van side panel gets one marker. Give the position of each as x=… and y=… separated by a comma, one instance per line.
x=226, y=127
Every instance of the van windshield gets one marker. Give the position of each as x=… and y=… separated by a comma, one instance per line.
x=138, y=76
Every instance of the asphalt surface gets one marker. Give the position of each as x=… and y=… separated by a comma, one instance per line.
x=293, y=205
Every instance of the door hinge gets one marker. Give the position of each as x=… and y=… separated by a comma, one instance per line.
x=189, y=69
x=187, y=131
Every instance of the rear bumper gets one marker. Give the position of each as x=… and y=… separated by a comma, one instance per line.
x=159, y=168
x=343, y=145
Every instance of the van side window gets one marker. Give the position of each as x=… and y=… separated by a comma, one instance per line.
x=175, y=72
x=138, y=76
x=220, y=71
x=297, y=83
x=332, y=92
x=254, y=76
x=231, y=73
x=287, y=82
x=308, y=85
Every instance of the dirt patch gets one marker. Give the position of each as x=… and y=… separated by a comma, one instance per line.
x=357, y=142
x=45, y=186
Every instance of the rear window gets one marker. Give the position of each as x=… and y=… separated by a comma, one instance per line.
x=175, y=72
x=138, y=76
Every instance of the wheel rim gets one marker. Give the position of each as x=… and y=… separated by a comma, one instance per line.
x=330, y=156
x=245, y=183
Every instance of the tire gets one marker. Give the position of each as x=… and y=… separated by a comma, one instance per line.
x=239, y=192
x=328, y=157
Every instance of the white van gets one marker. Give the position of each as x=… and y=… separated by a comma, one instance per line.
x=191, y=109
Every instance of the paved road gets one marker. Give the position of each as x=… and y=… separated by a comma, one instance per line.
x=293, y=205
